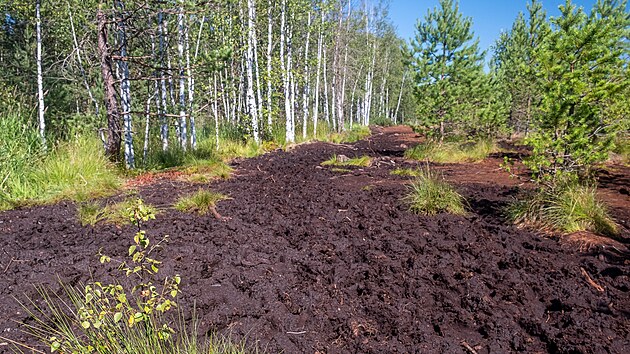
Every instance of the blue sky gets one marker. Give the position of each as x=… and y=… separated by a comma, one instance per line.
x=490, y=17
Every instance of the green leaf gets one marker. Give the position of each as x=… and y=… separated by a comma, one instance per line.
x=117, y=317
x=132, y=249
x=85, y=324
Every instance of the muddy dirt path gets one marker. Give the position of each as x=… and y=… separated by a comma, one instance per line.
x=320, y=261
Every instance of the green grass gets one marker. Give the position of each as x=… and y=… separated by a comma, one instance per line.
x=341, y=160
x=429, y=194
x=354, y=133
x=76, y=170
x=568, y=208
x=406, y=172
x=452, y=152
x=201, y=202
x=91, y=213
x=57, y=324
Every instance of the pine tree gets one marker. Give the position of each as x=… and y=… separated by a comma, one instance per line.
x=583, y=66
x=446, y=60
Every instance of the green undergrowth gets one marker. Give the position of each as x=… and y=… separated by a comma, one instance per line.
x=430, y=194
x=342, y=160
x=92, y=212
x=452, y=152
x=353, y=134
x=75, y=170
x=200, y=202
x=568, y=208
x=621, y=151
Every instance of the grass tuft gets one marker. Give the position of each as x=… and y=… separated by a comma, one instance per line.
x=569, y=208
x=406, y=172
x=91, y=213
x=75, y=171
x=429, y=194
x=201, y=202
x=342, y=160
x=355, y=133
x=452, y=152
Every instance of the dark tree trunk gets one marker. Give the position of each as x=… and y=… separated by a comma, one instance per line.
x=112, y=147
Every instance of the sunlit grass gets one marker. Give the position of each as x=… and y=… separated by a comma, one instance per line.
x=568, y=208
x=75, y=170
x=91, y=212
x=409, y=172
x=429, y=194
x=201, y=202
x=452, y=152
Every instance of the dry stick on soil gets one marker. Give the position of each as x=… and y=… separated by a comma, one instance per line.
x=591, y=282
x=468, y=348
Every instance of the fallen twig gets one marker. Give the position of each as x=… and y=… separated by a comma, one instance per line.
x=591, y=281
x=301, y=332
x=8, y=265
x=468, y=348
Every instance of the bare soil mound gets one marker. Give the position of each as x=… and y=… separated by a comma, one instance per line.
x=316, y=260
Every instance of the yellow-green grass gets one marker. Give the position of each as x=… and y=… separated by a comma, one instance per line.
x=200, y=202
x=430, y=194
x=452, y=152
x=568, y=208
x=338, y=160
x=409, y=172
x=91, y=213
x=76, y=170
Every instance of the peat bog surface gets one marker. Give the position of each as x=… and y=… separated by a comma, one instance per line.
x=312, y=259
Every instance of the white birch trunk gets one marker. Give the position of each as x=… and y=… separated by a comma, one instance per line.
x=306, y=91
x=125, y=91
x=402, y=84
x=191, y=92
x=326, y=101
x=319, y=66
x=269, y=59
x=163, y=91
x=183, y=137
x=40, y=79
x=251, y=99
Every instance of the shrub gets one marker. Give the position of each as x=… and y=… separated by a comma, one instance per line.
x=201, y=202
x=571, y=207
x=429, y=194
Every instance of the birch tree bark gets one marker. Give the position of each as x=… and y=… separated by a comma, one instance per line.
x=125, y=89
x=319, y=66
x=306, y=91
x=269, y=60
x=183, y=134
x=163, y=91
x=40, y=79
x=251, y=39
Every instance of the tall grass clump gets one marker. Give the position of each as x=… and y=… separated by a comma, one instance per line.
x=200, y=202
x=569, y=208
x=452, y=152
x=430, y=194
x=72, y=170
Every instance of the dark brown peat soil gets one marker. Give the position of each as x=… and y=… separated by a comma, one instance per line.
x=315, y=260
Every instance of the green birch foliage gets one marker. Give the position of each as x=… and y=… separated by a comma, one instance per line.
x=447, y=61
x=583, y=70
